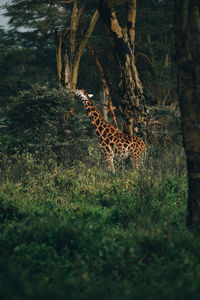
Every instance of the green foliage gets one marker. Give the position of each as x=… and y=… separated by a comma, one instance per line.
x=46, y=122
x=164, y=126
x=25, y=58
x=83, y=233
x=21, y=67
x=154, y=41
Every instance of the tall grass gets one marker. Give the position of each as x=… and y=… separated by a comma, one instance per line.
x=84, y=233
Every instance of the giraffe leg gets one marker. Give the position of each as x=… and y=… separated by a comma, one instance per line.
x=109, y=159
x=134, y=161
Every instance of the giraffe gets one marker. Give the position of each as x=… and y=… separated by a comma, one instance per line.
x=115, y=143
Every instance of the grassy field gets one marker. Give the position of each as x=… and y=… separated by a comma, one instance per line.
x=84, y=233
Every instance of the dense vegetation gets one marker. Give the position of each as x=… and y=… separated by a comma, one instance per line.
x=69, y=228
x=83, y=233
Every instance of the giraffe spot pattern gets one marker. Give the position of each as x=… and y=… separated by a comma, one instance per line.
x=113, y=142
x=104, y=134
x=100, y=129
x=107, y=141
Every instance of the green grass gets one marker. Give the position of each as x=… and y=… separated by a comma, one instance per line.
x=84, y=233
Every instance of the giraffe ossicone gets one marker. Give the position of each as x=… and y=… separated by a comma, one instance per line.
x=115, y=143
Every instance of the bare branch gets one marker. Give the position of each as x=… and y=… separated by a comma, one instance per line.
x=73, y=29
x=82, y=46
x=104, y=84
x=114, y=3
x=131, y=21
x=144, y=56
x=63, y=2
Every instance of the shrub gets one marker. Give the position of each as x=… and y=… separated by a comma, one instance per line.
x=47, y=123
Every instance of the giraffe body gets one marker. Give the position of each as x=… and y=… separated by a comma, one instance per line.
x=114, y=143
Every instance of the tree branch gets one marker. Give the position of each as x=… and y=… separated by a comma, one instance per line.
x=64, y=2
x=114, y=3
x=144, y=56
x=104, y=84
x=73, y=29
x=82, y=47
x=131, y=22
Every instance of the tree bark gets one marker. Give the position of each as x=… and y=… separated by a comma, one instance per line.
x=104, y=103
x=103, y=80
x=81, y=48
x=122, y=42
x=59, y=54
x=68, y=50
x=62, y=58
x=187, y=55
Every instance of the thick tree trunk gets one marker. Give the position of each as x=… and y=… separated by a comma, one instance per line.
x=122, y=43
x=188, y=60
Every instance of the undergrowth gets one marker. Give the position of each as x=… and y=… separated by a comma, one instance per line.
x=84, y=233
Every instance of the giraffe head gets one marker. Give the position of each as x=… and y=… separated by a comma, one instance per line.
x=82, y=94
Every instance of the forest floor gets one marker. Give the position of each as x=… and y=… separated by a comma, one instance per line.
x=84, y=233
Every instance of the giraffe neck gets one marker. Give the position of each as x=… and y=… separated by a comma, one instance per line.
x=93, y=113
x=95, y=116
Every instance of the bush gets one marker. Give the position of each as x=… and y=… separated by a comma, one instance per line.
x=47, y=123
x=72, y=230
x=164, y=126
x=83, y=233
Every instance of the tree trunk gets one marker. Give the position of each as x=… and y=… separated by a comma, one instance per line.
x=122, y=43
x=68, y=51
x=188, y=61
x=81, y=48
x=104, y=103
x=103, y=80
